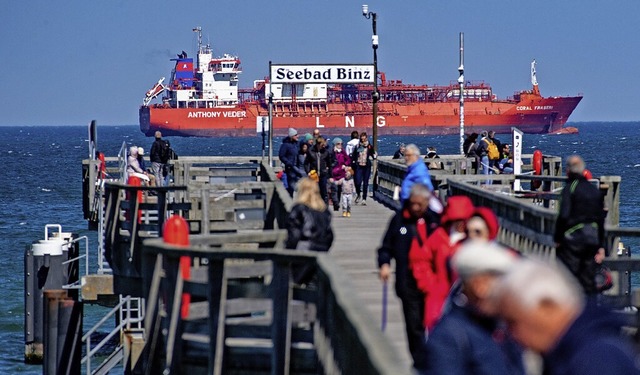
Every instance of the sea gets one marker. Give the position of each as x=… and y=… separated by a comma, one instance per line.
x=41, y=183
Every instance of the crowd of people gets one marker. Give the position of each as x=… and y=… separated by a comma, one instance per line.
x=491, y=155
x=470, y=305
x=341, y=170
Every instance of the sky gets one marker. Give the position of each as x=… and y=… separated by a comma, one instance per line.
x=73, y=61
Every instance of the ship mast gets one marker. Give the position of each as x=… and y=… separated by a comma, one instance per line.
x=461, y=82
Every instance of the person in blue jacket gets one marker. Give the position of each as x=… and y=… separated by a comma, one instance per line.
x=416, y=172
x=547, y=311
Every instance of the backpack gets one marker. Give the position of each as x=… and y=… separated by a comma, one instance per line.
x=492, y=150
x=165, y=152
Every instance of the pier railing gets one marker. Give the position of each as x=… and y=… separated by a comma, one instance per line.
x=249, y=316
x=528, y=218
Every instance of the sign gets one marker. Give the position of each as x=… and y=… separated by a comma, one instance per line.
x=517, y=157
x=332, y=73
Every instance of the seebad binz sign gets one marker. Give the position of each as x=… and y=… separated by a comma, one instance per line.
x=333, y=73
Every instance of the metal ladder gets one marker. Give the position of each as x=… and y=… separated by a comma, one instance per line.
x=131, y=312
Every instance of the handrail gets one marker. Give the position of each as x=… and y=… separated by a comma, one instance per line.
x=123, y=323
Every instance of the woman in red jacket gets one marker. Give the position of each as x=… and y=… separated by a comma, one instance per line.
x=429, y=261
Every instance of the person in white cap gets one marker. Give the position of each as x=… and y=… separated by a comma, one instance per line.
x=288, y=155
x=468, y=338
x=152, y=178
x=133, y=167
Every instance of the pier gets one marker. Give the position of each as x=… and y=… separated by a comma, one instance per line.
x=243, y=315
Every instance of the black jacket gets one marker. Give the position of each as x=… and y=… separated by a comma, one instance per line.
x=311, y=226
x=397, y=243
x=308, y=229
x=580, y=203
x=320, y=161
x=580, y=230
x=155, y=155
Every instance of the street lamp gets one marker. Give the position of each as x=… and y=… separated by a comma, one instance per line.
x=376, y=96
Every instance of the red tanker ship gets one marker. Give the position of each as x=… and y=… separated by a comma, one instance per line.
x=203, y=99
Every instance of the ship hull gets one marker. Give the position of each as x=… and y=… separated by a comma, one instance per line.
x=532, y=114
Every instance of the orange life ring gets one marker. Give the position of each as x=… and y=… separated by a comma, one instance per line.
x=537, y=169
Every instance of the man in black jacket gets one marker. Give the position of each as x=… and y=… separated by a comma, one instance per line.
x=157, y=158
x=579, y=233
x=320, y=159
x=409, y=227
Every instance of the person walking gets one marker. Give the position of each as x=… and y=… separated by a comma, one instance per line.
x=288, y=155
x=409, y=227
x=319, y=160
x=430, y=264
x=417, y=172
x=348, y=188
x=363, y=155
x=351, y=145
x=579, y=232
x=341, y=161
x=308, y=227
x=158, y=157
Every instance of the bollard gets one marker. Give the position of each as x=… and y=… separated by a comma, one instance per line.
x=43, y=270
x=62, y=333
x=176, y=232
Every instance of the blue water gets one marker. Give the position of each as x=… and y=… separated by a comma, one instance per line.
x=41, y=176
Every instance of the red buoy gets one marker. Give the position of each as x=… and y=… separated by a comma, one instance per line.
x=537, y=169
x=587, y=174
x=176, y=232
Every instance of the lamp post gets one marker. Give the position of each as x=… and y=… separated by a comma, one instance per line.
x=376, y=95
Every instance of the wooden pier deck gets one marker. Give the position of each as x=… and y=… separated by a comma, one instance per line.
x=356, y=240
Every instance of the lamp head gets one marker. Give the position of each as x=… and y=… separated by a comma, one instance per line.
x=365, y=10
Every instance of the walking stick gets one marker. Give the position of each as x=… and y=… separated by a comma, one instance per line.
x=384, y=305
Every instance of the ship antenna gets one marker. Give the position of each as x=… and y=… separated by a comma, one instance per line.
x=198, y=30
x=534, y=80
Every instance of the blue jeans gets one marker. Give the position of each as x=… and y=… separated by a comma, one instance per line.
x=363, y=173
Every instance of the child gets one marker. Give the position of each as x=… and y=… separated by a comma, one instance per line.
x=348, y=188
